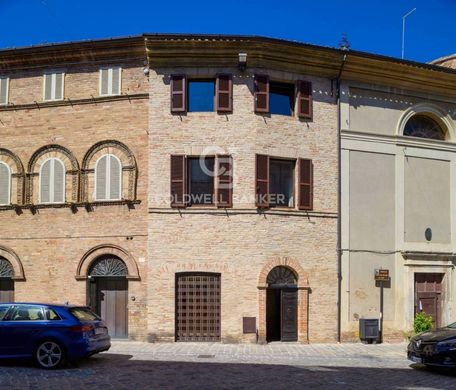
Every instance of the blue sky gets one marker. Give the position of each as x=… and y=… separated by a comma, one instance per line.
x=373, y=26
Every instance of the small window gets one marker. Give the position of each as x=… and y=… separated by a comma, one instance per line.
x=201, y=95
x=27, y=313
x=201, y=180
x=52, y=181
x=5, y=184
x=110, y=81
x=281, y=182
x=51, y=314
x=108, y=178
x=424, y=127
x=53, y=86
x=84, y=314
x=3, y=311
x=281, y=98
x=4, y=90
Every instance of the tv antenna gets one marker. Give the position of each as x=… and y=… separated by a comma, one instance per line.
x=403, y=29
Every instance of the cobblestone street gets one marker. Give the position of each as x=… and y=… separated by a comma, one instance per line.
x=225, y=366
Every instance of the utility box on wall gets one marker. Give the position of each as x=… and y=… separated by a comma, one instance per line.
x=368, y=330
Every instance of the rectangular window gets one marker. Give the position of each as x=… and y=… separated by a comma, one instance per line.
x=201, y=95
x=281, y=98
x=201, y=180
x=110, y=81
x=281, y=188
x=54, y=86
x=4, y=85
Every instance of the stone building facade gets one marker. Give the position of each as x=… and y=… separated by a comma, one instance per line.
x=52, y=237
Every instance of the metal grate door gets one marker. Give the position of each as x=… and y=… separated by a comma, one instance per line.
x=197, y=307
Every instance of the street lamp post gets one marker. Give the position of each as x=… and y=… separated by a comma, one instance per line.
x=403, y=30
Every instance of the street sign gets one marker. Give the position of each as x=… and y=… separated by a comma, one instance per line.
x=382, y=275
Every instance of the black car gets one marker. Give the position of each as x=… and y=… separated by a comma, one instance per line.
x=435, y=347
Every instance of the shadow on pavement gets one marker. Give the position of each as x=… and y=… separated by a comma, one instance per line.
x=123, y=371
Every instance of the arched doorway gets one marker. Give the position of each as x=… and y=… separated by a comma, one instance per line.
x=108, y=293
x=281, y=305
x=6, y=281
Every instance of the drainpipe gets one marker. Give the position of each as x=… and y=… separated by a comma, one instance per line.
x=339, y=202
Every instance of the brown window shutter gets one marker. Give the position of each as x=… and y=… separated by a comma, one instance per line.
x=178, y=180
x=178, y=93
x=224, y=93
x=261, y=93
x=305, y=184
x=305, y=102
x=262, y=180
x=225, y=181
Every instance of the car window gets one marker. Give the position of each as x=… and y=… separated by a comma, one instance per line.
x=3, y=310
x=51, y=314
x=84, y=314
x=27, y=313
x=453, y=325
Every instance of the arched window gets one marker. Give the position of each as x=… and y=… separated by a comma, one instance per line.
x=423, y=126
x=52, y=181
x=5, y=184
x=108, y=266
x=281, y=276
x=6, y=269
x=108, y=178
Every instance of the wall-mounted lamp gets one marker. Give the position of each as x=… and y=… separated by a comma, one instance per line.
x=242, y=65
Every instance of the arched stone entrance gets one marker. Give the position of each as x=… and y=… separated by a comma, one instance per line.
x=283, y=302
x=6, y=281
x=107, y=293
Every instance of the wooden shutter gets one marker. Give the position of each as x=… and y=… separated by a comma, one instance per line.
x=4, y=90
x=305, y=102
x=48, y=87
x=305, y=184
x=5, y=184
x=58, y=92
x=104, y=81
x=262, y=180
x=45, y=182
x=178, y=180
x=115, y=172
x=225, y=181
x=178, y=93
x=224, y=93
x=115, y=81
x=101, y=173
x=58, y=177
x=261, y=93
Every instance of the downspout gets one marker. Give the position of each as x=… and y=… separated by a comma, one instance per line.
x=339, y=201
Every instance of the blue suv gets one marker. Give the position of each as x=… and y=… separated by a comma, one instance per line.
x=50, y=334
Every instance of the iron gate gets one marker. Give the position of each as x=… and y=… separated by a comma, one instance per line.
x=198, y=307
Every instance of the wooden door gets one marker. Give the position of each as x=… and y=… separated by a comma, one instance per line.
x=6, y=290
x=198, y=307
x=428, y=296
x=289, y=315
x=273, y=314
x=111, y=304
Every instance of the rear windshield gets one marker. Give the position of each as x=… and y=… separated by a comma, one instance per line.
x=84, y=314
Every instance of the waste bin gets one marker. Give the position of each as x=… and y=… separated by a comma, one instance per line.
x=368, y=330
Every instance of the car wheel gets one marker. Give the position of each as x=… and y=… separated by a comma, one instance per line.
x=49, y=354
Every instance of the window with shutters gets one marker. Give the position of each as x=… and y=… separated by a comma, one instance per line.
x=281, y=98
x=4, y=90
x=108, y=178
x=5, y=184
x=201, y=95
x=204, y=180
x=53, y=86
x=110, y=81
x=276, y=179
x=52, y=181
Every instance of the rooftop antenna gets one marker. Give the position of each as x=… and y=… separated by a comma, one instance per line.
x=344, y=44
x=403, y=29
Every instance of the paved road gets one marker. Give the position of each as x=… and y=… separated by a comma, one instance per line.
x=134, y=365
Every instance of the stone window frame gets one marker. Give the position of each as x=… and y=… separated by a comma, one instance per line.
x=17, y=175
x=129, y=170
x=71, y=172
